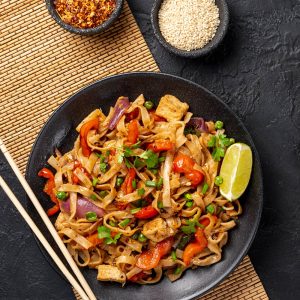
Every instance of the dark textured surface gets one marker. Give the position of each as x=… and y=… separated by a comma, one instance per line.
x=256, y=71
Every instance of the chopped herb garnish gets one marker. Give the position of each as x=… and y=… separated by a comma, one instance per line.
x=178, y=270
x=154, y=171
x=98, y=154
x=95, y=181
x=136, y=145
x=91, y=216
x=151, y=159
x=161, y=159
x=120, y=158
x=135, y=210
x=159, y=183
x=141, y=192
x=150, y=183
x=190, y=227
x=212, y=141
x=107, y=153
x=219, y=125
x=160, y=204
x=93, y=197
x=103, y=167
x=133, y=183
x=104, y=233
x=210, y=208
x=188, y=196
x=127, y=151
x=128, y=163
x=139, y=163
x=218, y=153
x=124, y=223
x=119, y=181
x=112, y=223
x=102, y=194
x=205, y=188
x=189, y=204
x=173, y=255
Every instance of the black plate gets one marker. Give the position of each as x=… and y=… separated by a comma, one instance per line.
x=60, y=132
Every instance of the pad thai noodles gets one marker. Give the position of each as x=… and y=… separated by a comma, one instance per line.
x=138, y=194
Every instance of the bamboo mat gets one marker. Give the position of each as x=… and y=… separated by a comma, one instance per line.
x=41, y=65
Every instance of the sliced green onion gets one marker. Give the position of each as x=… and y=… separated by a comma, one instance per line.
x=98, y=154
x=138, y=163
x=160, y=204
x=112, y=223
x=103, y=167
x=142, y=238
x=219, y=125
x=188, y=196
x=210, y=208
x=102, y=194
x=61, y=195
x=141, y=192
x=184, y=240
x=161, y=159
x=95, y=181
x=136, y=145
x=212, y=141
x=173, y=255
x=93, y=197
x=91, y=216
x=154, y=171
x=178, y=270
x=231, y=141
x=124, y=223
x=119, y=181
x=159, y=183
x=189, y=204
x=107, y=153
x=135, y=210
x=135, y=236
x=150, y=183
x=205, y=188
x=148, y=104
x=133, y=183
x=218, y=180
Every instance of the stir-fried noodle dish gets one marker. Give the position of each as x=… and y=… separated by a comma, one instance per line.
x=138, y=194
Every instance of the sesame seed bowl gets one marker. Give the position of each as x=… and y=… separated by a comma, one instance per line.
x=177, y=26
x=111, y=18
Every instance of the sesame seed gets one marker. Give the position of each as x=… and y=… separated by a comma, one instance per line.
x=188, y=24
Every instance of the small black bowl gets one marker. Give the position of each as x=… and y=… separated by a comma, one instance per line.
x=85, y=31
x=217, y=39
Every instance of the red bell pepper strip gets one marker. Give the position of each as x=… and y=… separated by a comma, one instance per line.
x=127, y=187
x=132, y=115
x=161, y=145
x=156, y=117
x=137, y=277
x=84, y=130
x=184, y=164
x=194, y=248
x=133, y=132
x=149, y=259
x=49, y=190
x=146, y=213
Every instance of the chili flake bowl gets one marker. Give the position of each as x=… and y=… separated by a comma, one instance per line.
x=85, y=31
x=210, y=46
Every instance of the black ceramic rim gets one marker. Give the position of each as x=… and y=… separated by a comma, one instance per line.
x=88, y=31
x=146, y=75
x=213, y=44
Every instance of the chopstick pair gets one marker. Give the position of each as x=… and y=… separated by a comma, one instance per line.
x=84, y=290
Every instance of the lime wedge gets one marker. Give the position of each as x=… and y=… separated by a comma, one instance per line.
x=235, y=171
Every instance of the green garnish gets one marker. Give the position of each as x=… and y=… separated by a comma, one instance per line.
x=136, y=145
x=103, y=167
x=159, y=183
x=135, y=236
x=119, y=181
x=151, y=159
x=138, y=163
x=135, y=210
x=142, y=238
x=219, y=143
x=148, y=104
x=178, y=270
x=154, y=171
x=112, y=223
x=205, y=188
x=160, y=204
x=173, y=255
x=218, y=180
x=91, y=216
x=189, y=204
x=219, y=125
x=98, y=154
x=190, y=227
x=183, y=242
x=102, y=194
x=210, y=208
x=120, y=158
x=95, y=181
x=127, y=151
x=61, y=195
x=161, y=159
x=218, y=153
x=212, y=141
x=93, y=197
x=104, y=233
x=124, y=223
x=128, y=163
x=133, y=183
x=107, y=153
x=141, y=192
x=188, y=196
x=150, y=183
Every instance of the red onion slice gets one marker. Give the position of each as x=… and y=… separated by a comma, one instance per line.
x=119, y=110
x=198, y=124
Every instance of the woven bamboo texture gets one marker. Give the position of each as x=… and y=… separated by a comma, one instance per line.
x=41, y=65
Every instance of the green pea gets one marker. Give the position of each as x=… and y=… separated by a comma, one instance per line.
x=148, y=104
x=189, y=204
x=218, y=180
x=61, y=195
x=210, y=208
x=160, y=204
x=133, y=183
x=188, y=196
x=120, y=180
x=219, y=125
x=91, y=216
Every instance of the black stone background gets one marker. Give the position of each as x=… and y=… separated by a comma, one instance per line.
x=256, y=72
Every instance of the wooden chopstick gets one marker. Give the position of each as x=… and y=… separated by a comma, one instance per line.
x=47, y=222
x=42, y=239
